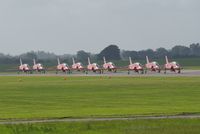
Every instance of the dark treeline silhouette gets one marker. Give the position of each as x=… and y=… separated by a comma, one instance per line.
x=176, y=52
x=112, y=52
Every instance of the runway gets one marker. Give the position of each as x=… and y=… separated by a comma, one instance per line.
x=184, y=73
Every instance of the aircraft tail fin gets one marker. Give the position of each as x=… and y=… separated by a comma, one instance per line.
x=20, y=60
x=104, y=60
x=166, y=59
x=89, y=61
x=130, y=60
x=147, y=59
x=58, y=61
x=34, y=61
x=73, y=60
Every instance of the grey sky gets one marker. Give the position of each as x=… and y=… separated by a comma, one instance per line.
x=66, y=26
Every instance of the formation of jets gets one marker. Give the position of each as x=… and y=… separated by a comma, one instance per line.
x=137, y=67
x=37, y=67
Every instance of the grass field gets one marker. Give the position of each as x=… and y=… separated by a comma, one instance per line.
x=58, y=97
x=35, y=97
x=166, y=126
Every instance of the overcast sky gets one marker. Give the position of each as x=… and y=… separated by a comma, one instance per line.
x=66, y=26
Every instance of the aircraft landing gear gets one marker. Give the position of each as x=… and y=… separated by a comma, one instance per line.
x=145, y=71
x=100, y=71
x=115, y=70
x=69, y=71
x=159, y=71
x=179, y=71
x=142, y=71
x=86, y=72
x=165, y=71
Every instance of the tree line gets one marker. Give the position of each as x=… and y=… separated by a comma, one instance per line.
x=175, y=52
x=111, y=52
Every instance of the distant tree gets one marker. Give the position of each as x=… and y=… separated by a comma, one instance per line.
x=180, y=51
x=126, y=54
x=2, y=55
x=29, y=56
x=6, y=59
x=45, y=55
x=82, y=56
x=93, y=57
x=195, y=49
x=149, y=52
x=112, y=52
x=161, y=52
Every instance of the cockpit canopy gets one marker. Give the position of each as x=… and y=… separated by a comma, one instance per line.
x=26, y=65
x=156, y=63
x=137, y=63
x=111, y=63
x=39, y=64
x=65, y=64
x=95, y=64
x=79, y=63
x=175, y=63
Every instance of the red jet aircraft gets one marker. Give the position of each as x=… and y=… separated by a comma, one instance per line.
x=94, y=67
x=62, y=67
x=77, y=66
x=24, y=67
x=172, y=66
x=38, y=67
x=137, y=67
x=152, y=66
x=109, y=66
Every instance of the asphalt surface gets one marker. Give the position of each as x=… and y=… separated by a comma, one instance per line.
x=121, y=73
x=100, y=119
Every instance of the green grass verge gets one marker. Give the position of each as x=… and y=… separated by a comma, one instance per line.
x=165, y=126
x=58, y=97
